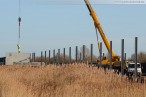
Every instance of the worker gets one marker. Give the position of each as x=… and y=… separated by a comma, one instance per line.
x=18, y=45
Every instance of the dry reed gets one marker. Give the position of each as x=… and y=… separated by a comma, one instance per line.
x=72, y=80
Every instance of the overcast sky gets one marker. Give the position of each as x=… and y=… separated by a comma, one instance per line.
x=47, y=26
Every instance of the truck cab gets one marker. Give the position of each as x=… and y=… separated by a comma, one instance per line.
x=131, y=69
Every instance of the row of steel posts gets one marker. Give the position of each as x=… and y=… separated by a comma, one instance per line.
x=82, y=55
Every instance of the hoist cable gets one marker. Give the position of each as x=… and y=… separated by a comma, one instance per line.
x=19, y=21
x=98, y=43
x=19, y=10
x=96, y=34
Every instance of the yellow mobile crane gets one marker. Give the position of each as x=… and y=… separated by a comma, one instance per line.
x=115, y=58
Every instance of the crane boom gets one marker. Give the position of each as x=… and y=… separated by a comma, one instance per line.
x=98, y=26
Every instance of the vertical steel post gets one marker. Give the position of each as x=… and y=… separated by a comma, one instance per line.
x=100, y=53
x=136, y=49
x=45, y=58
x=58, y=56
x=64, y=55
x=69, y=54
x=76, y=54
x=34, y=57
x=122, y=56
x=91, y=53
x=49, y=56
x=41, y=57
x=30, y=58
x=110, y=54
x=80, y=57
x=54, y=56
x=83, y=53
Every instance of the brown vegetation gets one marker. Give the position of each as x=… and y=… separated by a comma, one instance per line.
x=76, y=80
x=141, y=57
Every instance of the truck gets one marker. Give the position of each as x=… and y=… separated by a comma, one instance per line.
x=131, y=69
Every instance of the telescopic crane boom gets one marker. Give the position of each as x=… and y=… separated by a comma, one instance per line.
x=98, y=26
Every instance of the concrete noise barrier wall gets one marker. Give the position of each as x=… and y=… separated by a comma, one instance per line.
x=17, y=58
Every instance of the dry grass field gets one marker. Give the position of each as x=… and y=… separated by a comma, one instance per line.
x=72, y=80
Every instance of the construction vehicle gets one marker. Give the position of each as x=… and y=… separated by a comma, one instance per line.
x=106, y=61
x=134, y=74
x=131, y=69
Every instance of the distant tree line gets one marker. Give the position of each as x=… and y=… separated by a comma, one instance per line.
x=141, y=57
x=59, y=58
